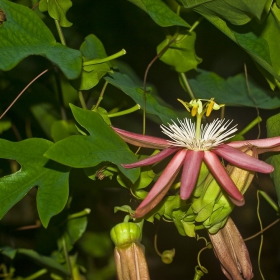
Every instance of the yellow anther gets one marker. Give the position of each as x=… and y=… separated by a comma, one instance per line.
x=212, y=106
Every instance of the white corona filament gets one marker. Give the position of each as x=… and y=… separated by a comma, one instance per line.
x=211, y=135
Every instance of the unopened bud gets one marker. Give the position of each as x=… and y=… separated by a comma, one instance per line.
x=129, y=252
x=232, y=252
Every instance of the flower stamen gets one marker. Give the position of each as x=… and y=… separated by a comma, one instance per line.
x=212, y=134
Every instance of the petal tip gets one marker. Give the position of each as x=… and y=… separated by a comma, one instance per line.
x=238, y=202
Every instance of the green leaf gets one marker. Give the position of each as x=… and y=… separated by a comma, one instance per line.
x=233, y=91
x=24, y=34
x=102, y=145
x=74, y=229
x=273, y=124
x=181, y=54
x=268, y=31
x=124, y=83
x=92, y=48
x=160, y=12
x=235, y=11
x=51, y=179
x=57, y=9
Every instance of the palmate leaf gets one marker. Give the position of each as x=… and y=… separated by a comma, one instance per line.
x=57, y=9
x=233, y=91
x=24, y=34
x=124, y=83
x=102, y=145
x=235, y=11
x=273, y=124
x=51, y=179
x=160, y=13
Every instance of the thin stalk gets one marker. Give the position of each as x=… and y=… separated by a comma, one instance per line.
x=105, y=59
x=256, y=121
x=196, y=23
x=82, y=100
x=59, y=31
x=67, y=259
x=262, y=231
x=37, y=274
x=100, y=96
x=83, y=213
x=269, y=200
x=125, y=112
x=20, y=94
x=187, y=85
x=145, y=80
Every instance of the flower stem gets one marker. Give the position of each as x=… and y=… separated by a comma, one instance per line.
x=105, y=59
x=256, y=121
x=125, y=112
x=60, y=34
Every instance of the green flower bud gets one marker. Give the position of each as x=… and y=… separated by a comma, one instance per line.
x=125, y=233
x=167, y=256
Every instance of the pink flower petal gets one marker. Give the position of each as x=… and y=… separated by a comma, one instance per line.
x=190, y=172
x=259, y=143
x=242, y=160
x=152, y=159
x=162, y=185
x=222, y=177
x=142, y=140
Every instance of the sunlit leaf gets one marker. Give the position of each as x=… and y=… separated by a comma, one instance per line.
x=24, y=34
x=51, y=179
x=181, y=54
x=102, y=145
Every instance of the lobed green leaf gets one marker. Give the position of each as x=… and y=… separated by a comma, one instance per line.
x=101, y=145
x=51, y=179
x=24, y=34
